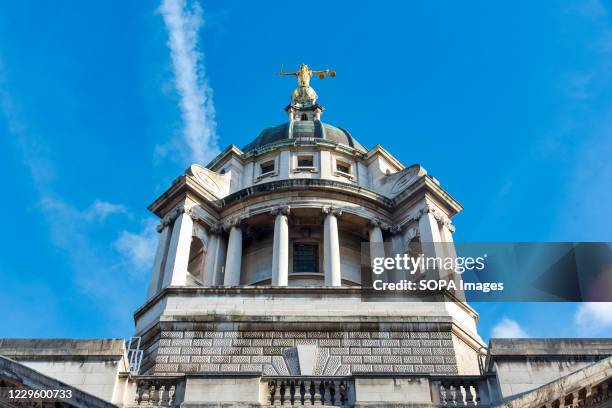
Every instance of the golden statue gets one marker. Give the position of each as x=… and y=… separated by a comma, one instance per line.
x=303, y=74
x=304, y=95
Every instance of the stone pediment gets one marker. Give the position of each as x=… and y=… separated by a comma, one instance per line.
x=393, y=184
x=216, y=184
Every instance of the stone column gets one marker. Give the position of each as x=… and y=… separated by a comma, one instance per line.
x=377, y=249
x=331, y=247
x=397, y=241
x=210, y=261
x=398, y=247
x=233, y=260
x=431, y=241
x=448, y=247
x=220, y=259
x=447, y=237
x=157, y=275
x=175, y=273
x=199, y=232
x=428, y=225
x=280, y=250
x=430, y=237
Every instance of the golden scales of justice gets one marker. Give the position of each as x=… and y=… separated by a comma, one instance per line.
x=303, y=74
x=304, y=95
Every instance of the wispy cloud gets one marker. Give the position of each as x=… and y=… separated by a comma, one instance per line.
x=74, y=231
x=100, y=209
x=82, y=235
x=593, y=318
x=183, y=21
x=508, y=328
x=138, y=249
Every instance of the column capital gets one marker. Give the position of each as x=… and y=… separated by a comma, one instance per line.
x=237, y=221
x=283, y=209
x=448, y=224
x=173, y=215
x=215, y=229
x=374, y=223
x=438, y=215
x=331, y=210
x=377, y=222
x=427, y=209
x=396, y=229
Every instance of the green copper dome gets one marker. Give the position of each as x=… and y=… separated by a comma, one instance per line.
x=304, y=130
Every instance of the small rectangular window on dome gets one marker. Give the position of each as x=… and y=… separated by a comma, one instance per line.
x=305, y=161
x=267, y=167
x=343, y=167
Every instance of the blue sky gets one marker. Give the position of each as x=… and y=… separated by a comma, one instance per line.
x=103, y=104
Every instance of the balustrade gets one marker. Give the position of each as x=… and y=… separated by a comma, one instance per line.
x=598, y=396
x=310, y=392
x=460, y=392
x=156, y=392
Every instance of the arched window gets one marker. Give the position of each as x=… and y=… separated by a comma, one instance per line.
x=196, y=257
x=415, y=249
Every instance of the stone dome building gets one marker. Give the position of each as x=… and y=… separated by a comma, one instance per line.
x=258, y=268
x=256, y=300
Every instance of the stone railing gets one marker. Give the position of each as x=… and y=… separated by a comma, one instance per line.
x=599, y=396
x=460, y=392
x=310, y=391
x=158, y=392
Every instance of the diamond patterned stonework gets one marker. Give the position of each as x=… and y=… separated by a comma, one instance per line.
x=338, y=352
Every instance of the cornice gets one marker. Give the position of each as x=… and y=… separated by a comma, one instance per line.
x=428, y=185
x=182, y=186
x=312, y=184
x=424, y=186
x=231, y=150
x=250, y=290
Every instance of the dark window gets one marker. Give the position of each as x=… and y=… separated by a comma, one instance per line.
x=343, y=167
x=267, y=167
x=305, y=161
x=304, y=117
x=305, y=258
